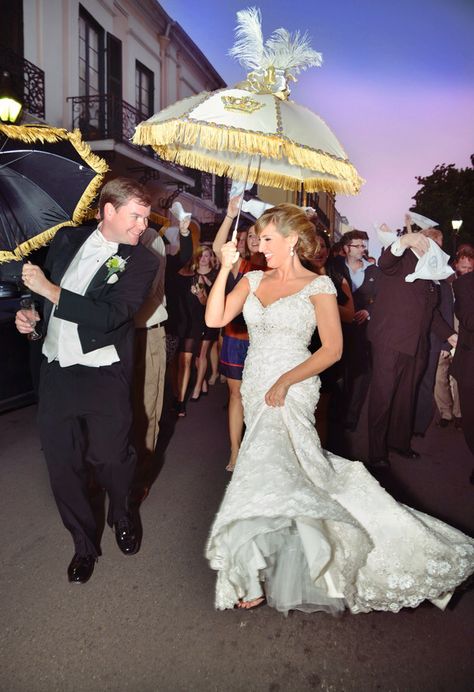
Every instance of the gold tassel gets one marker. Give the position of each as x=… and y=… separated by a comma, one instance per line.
x=194, y=159
x=167, y=137
x=27, y=247
x=34, y=133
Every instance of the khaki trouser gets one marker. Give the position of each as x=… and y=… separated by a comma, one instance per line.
x=446, y=391
x=148, y=388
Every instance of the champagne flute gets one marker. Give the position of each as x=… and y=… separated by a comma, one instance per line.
x=28, y=305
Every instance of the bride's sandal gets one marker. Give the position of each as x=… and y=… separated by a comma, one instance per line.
x=248, y=605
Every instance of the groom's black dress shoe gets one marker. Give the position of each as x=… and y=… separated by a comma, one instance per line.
x=80, y=568
x=126, y=535
x=407, y=453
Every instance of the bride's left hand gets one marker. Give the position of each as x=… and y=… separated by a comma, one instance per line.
x=276, y=395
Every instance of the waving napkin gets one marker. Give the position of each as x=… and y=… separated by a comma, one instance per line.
x=422, y=221
x=432, y=265
x=386, y=237
x=179, y=213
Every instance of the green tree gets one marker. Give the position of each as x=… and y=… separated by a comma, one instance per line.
x=447, y=194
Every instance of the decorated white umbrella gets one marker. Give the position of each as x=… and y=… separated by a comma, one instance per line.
x=253, y=131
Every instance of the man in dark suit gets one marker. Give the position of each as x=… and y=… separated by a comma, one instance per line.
x=398, y=330
x=94, y=281
x=462, y=368
x=361, y=276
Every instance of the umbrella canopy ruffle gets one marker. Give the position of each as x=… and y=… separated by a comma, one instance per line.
x=220, y=132
x=34, y=134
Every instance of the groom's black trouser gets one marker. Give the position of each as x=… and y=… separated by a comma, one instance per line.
x=84, y=416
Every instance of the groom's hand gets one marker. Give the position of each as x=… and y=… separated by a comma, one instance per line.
x=34, y=279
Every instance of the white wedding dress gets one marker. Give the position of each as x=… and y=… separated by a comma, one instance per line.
x=310, y=530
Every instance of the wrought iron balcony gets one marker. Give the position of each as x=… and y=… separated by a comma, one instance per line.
x=104, y=116
x=27, y=79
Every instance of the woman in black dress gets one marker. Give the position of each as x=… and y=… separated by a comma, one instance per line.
x=194, y=283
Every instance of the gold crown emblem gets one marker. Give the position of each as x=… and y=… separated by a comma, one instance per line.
x=245, y=104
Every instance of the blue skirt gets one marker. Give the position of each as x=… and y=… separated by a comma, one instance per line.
x=232, y=358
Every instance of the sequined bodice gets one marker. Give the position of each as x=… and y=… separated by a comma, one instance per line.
x=279, y=335
x=287, y=323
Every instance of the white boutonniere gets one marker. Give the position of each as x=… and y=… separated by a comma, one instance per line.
x=115, y=266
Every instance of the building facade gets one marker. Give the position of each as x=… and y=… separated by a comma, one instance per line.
x=103, y=66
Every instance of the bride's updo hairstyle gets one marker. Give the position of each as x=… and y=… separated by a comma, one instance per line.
x=289, y=219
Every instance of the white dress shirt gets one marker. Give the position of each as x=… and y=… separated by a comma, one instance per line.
x=62, y=341
x=358, y=275
x=396, y=248
x=153, y=311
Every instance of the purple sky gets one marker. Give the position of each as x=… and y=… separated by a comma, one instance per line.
x=396, y=85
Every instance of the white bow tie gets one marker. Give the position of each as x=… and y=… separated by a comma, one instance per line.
x=97, y=241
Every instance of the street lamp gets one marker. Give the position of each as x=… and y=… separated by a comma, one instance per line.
x=10, y=105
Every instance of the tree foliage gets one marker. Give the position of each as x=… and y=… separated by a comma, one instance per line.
x=447, y=194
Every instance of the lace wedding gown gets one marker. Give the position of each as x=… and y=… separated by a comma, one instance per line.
x=316, y=529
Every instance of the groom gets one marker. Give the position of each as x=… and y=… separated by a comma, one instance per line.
x=94, y=281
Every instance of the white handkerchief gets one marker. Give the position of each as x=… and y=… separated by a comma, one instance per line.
x=422, y=221
x=433, y=265
x=238, y=187
x=255, y=207
x=179, y=213
x=386, y=238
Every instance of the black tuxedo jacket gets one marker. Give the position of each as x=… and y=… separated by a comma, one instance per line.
x=463, y=362
x=104, y=315
x=404, y=312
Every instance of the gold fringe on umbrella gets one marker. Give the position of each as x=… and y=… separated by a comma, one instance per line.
x=195, y=159
x=166, y=137
x=39, y=241
x=34, y=133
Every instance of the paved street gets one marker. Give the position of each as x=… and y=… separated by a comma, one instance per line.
x=146, y=623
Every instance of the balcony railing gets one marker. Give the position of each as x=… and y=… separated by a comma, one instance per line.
x=27, y=81
x=104, y=116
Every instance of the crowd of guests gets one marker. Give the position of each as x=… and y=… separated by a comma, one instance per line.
x=399, y=337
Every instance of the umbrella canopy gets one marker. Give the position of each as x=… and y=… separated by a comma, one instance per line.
x=252, y=131
x=48, y=178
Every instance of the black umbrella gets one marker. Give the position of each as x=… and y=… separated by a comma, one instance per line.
x=48, y=178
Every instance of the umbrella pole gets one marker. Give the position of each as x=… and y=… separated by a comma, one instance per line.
x=237, y=218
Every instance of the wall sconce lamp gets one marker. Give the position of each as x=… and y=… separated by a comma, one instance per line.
x=10, y=105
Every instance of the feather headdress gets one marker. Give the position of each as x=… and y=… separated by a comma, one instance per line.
x=286, y=54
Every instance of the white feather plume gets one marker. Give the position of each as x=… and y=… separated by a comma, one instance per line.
x=282, y=50
x=248, y=47
x=291, y=52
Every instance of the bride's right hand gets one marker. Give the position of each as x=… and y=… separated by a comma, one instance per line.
x=229, y=255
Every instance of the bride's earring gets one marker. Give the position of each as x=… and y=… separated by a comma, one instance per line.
x=292, y=251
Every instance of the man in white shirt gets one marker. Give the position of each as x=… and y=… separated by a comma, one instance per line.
x=94, y=281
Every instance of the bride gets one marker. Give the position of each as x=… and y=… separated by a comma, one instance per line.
x=299, y=527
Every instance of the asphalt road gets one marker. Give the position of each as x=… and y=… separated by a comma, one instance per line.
x=146, y=623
